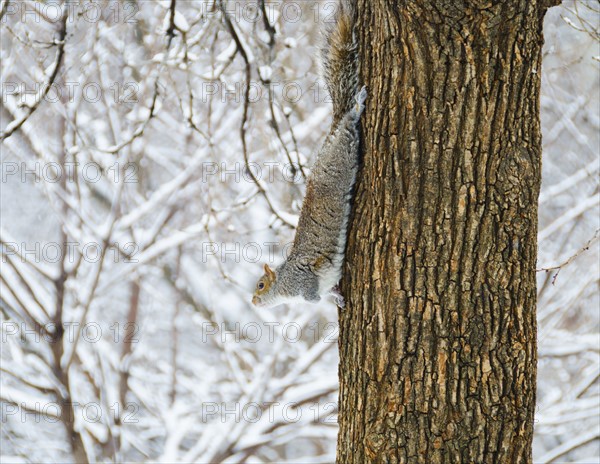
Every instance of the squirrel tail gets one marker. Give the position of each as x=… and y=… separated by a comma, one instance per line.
x=339, y=55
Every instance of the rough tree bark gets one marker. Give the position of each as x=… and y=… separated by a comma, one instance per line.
x=438, y=337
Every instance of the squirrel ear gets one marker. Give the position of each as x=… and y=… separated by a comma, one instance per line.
x=269, y=272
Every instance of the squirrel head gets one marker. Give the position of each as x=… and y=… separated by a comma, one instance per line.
x=264, y=295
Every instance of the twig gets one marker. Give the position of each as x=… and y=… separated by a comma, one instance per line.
x=267, y=82
x=559, y=267
x=172, y=27
x=4, y=8
x=248, y=72
x=60, y=52
x=140, y=130
x=569, y=446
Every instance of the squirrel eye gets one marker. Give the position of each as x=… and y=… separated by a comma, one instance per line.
x=261, y=285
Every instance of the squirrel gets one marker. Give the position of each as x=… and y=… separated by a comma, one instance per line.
x=314, y=265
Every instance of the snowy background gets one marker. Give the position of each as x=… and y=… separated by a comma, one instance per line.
x=142, y=190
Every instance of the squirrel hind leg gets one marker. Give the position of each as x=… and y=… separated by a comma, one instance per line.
x=360, y=98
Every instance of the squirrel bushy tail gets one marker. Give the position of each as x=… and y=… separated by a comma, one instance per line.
x=339, y=55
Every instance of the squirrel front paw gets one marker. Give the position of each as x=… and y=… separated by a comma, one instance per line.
x=338, y=298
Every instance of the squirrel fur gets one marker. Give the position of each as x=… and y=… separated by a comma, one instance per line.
x=314, y=265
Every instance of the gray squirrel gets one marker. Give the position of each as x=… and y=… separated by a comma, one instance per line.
x=314, y=265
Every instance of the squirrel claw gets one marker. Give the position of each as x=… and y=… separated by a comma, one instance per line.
x=338, y=297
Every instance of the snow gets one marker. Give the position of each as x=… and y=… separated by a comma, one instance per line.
x=206, y=375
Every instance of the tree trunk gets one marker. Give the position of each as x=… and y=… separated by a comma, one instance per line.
x=438, y=337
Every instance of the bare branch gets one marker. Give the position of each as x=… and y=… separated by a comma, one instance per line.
x=60, y=43
x=558, y=267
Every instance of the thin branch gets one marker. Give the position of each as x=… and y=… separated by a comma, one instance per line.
x=243, y=126
x=24, y=314
x=141, y=128
x=60, y=52
x=272, y=42
x=568, y=261
x=172, y=27
x=3, y=8
x=569, y=446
